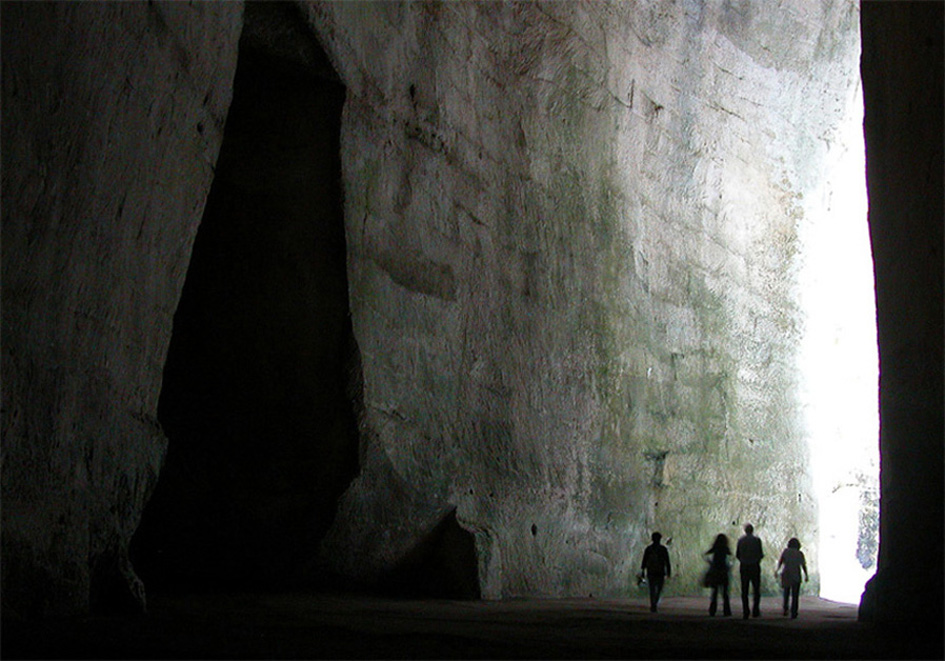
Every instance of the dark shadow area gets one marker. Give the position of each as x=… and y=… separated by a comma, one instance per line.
x=327, y=626
x=904, y=96
x=444, y=565
x=255, y=399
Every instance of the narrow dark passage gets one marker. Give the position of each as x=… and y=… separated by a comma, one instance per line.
x=262, y=437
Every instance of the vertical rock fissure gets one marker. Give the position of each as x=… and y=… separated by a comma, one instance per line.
x=255, y=400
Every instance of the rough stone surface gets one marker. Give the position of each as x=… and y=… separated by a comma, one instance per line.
x=572, y=251
x=113, y=115
x=903, y=127
x=572, y=235
x=262, y=438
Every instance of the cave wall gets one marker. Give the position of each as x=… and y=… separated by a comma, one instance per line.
x=902, y=70
x=113, y=115
x=573, y=248
x=255, y=404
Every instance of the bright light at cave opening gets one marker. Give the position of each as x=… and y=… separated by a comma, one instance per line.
x=839, y=367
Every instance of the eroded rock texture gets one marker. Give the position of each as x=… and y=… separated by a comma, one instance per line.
x=572, y=235
x=902, y=83
x=572, y=245
x=113, y=114
x=255, y=400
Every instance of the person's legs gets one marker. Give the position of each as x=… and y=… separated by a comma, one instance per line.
x=756, y=585
x=713, y=605
x=656, y=587
x=726, y=605
x=744, y=575
x=795, y=594
x=787, y=592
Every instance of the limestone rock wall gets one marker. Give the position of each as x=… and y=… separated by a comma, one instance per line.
x=572, y=235
x=903, y=90
x=113, y=115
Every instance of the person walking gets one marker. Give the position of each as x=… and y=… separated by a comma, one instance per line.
x=749, y=554
x=656, y=567
x=792, y=560
x=717, y=577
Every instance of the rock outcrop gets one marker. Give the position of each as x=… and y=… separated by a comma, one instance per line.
x=572, y=249
x=573, y=245
x=903, y=91
x=113, y=115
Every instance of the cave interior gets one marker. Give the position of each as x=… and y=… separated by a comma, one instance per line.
x=263, y=358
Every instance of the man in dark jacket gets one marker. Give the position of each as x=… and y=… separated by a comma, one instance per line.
x=749, y=556
x=656, y=568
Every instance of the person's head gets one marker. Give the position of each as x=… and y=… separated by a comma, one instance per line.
x=720, y=543
x=656, y=537
x=749, y=529
x=794, y=544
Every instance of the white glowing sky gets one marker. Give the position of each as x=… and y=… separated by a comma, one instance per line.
x=839, y=363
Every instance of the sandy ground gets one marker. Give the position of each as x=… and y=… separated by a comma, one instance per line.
x=309, y=626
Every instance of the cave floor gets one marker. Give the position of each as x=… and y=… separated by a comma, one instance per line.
x=308, y=626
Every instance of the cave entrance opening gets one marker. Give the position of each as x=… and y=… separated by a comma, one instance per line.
x=256, y=399
x=839, y=368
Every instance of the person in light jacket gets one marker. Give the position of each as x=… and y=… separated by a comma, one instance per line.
x=792, y=561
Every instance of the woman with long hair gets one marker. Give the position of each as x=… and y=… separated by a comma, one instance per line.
x=718, y=574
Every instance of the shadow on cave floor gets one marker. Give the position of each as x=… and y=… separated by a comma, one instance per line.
x=282, y=626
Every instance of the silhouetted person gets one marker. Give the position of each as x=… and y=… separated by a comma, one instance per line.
x=793, y=562
x=656, y=567
x=718, y=574
x=749, y=556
